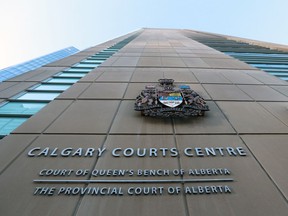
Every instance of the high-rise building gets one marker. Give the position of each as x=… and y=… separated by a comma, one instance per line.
x=12, y=71
x=84, y=150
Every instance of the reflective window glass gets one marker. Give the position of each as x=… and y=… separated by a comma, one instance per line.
x=7, y=125
x=71, y=75
x=270, y=66
x=86, y=65
x=278, y=74
x=62, y=80
x=21, y=108
x=79, y=69
x=93, y=61
x=103, y=56
x=51, y=87
x=38, y=96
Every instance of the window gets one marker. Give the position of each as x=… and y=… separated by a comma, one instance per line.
x=80, y=75
x=99, y=61
x=7, y=124
x=279, y=73
x=86, y=65
x=79, y=69
x=21, y=108
x=51, y=87
x=270, y=66
x=38, y=96
x=62, y=80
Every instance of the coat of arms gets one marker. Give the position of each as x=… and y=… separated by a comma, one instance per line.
x=169, y=100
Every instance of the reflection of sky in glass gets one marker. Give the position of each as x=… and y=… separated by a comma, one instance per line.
x=21, y=108
x=52, y=87
x=79, y=69
x=38, y=96
x=62, y=80
x=86, y=65
x=7, y=125
x=72, y=74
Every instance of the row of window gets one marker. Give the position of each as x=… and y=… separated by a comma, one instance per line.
x=22, y=106
x=25, y=104
x=274, y=62
x=15, y=70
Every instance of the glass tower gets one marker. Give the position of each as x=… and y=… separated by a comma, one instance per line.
x=18, y=69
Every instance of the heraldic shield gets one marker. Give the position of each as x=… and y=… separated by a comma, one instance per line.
x=169, y=100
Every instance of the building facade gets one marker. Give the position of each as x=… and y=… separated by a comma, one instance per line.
x=83, y=150
x=10, y=72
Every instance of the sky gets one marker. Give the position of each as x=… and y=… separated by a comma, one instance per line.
x=32, y=28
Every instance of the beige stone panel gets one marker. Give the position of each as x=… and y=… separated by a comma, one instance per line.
x=271, y=152
x=209, y=76
x=147, y=75
x=85, y=116
x=180, y=75
x=239, y=77
x=15, y=89
x=41, y=120
x=115, y=76
x=38, y=74
x=212, y=122
x=6, y=84
x=262, y=93
x=47, y=73
x=183, y=51
x=134, y=89
x=172, y=62
x=125, y=50
x=150, y=161
x=195, y=62
x=225, y=92
x=205, y=50
x=252, y=191
x=188, y=55
x=128, y=54
x=151, y=54
x=140, y=205
x=17, y=186
x=149, y=62
x=266, y=78
x=151, y=50
x=68, y=61
x=167, y=50
x=115, y=69
x=104, y=91
x=109, y=62
x=250, y=117
x=91, y=76
x=174, y=55
x=226, y=63
x=278, y=109
x=11, y=146
x=126, y=62
x=128, y=121
x=74, y=91
x=281, y=89
x=200, y=90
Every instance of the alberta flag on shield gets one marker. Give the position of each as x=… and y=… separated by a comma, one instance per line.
x=172, y=99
